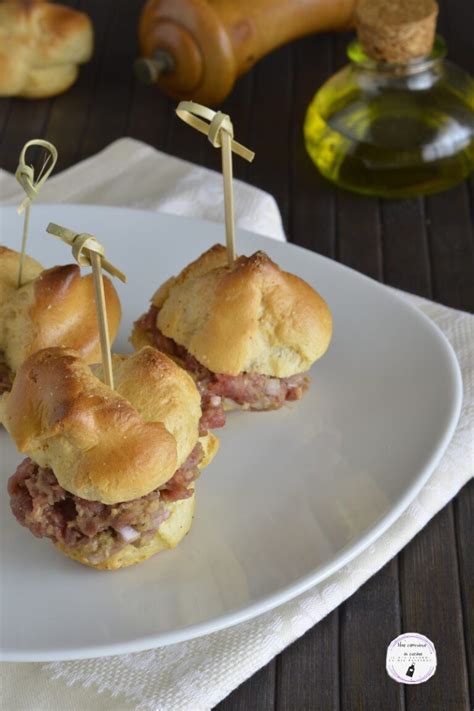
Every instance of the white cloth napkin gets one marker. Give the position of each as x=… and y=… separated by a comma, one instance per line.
x=130, y=173
x=196, y=675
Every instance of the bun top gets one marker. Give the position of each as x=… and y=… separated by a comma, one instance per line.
x=160, y=391
x=253, y=317
x=9, y=263
x=54, y=307
x=104, y=445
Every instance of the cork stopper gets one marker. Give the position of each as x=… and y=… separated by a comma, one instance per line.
x=396, y=31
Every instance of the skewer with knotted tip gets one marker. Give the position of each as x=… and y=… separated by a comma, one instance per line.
x=25, y=175
x=88, y=252
x=220, y=132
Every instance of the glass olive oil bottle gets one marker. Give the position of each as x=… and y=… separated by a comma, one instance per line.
x=393, y=128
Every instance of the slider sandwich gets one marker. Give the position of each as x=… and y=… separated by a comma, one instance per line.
x=53, y=307
x=109, y=475
x=247, y=334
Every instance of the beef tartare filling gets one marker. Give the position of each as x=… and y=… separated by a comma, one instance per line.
x=250, y=391
x=94, y=529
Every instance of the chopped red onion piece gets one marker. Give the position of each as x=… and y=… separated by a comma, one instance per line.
x=129, y=533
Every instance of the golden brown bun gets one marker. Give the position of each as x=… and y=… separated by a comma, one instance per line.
x=97, y=444
x=170, y=533
x=41, y=45
x=101, y=444
x=160, y=391
x=253, y=318
x=9, y=263
x=55, y=307
x=210, y=444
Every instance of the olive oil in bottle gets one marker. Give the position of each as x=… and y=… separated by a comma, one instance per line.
x=399, y=119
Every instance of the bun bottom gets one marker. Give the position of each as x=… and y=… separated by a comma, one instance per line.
x=210, y=445
x=170, y=533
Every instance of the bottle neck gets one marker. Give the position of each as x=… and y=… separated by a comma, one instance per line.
x=362, y=61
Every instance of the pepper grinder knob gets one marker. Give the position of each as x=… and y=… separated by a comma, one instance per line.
x=149, y=69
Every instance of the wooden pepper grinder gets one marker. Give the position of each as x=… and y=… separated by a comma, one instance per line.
x=198, y=48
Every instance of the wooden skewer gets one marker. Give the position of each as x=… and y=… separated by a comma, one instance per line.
x=24, y=239
x=26, y=177
x=228, y=196
x=102, y=318
x=220, y=132
x=88, y=251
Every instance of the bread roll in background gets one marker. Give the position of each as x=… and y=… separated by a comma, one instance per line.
x=41, y=46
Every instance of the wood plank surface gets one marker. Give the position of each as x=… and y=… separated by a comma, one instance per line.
x=369, y=621
x=271, y=128
x=257, y=693
x=464, y=528
x=308, y=673
x=431, y=605
x=109, y=112
x=73, y=109
x=452, y=247
x=406, y=250
x=424, y=246
x=313, y=214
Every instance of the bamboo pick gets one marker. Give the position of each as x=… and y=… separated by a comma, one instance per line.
x=102, y=318
x=69, y=237
x=88, y=251
x=228, y=196
x=220, y=132
x=25, y=176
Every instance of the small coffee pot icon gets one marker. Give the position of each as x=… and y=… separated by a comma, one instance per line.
x=411, y=670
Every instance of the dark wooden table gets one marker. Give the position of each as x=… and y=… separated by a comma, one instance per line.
x=424, y=246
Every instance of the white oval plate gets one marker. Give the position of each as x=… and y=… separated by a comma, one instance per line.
x=291, y=497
